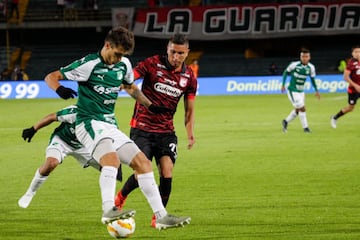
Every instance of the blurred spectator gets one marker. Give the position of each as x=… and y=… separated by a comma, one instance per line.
x=92, y=7
x=5, y=75
x=14, y=8
x=19, y=74
x=2, y=8
x=194, y=65
x=23, y=75
x=273, y=69
x=60, y=6
x=70, y=12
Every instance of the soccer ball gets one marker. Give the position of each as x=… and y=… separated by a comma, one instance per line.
x=121, y=228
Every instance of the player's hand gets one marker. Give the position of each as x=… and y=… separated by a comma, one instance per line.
x=317, y=94
x=191, y=142
x=282, y=89
x=28, y=133
x=65, y=93
x=159, y=109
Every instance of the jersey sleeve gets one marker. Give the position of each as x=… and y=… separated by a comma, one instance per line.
x=141, y=68
x=291, y=66
x=67, y=114
x=312, y=70
x=191, y=91
x=129, y=75
x=80, y=69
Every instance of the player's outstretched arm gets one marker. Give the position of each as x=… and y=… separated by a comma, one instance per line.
x=138, y=95
x=189, y=105
x=28, y=133
x=52, y=80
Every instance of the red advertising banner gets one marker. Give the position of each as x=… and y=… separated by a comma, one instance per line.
x=249, y=21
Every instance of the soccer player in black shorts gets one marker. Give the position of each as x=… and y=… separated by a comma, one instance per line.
x=166, y=78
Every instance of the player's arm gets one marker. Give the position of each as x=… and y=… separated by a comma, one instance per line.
x=138, y=95
x=189, y=105
x=347, y=78
x=284, y=77
x=52, y=80
x=137, y=75
x=313, y=83
x=28, y=133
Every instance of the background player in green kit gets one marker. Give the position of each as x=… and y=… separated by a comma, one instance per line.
x=100, y=76
x=299, y=71
x=63, y=142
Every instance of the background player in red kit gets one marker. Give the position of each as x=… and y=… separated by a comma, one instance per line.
x=165, y=79
x=352, y=76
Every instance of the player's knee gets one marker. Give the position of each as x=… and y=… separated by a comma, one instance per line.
x=103, y=147
x=50, y=164
x=141, y=164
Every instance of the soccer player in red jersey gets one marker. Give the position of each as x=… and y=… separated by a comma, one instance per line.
x=166, y=78
x=352, y=76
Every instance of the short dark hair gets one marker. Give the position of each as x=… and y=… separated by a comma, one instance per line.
x=356, y=46
x=304, y=50
x=180, y=39
x=123, y=37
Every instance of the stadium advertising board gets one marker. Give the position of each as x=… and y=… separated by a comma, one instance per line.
x=237, y=85
x=249, y=21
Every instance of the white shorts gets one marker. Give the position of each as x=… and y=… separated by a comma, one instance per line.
x=297, y=99
x=58, y=149
x=92, y=132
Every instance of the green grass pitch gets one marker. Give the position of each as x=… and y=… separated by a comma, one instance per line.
x=244, y=178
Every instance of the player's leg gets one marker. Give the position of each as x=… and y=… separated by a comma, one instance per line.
x=145, y=142
x=131, y=155
x=55, y=153
x=166, y=155
x=352, y=99
x=299, y=104
x=99, y=140
x=293, y=98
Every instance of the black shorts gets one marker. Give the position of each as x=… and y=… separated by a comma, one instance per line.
x=155, y=145
x=353, y=97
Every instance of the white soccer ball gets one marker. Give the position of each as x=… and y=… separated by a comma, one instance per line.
x=121, y=228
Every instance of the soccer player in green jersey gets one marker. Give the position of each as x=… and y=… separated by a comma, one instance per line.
x=63, y=143
x=299, y=71
x=100, y=76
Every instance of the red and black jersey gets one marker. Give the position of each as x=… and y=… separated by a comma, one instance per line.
x=354, y=67
x=164, y=87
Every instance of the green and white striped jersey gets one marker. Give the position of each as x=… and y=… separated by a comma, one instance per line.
x=299, y=73
x=98, y=86
x=66, y=130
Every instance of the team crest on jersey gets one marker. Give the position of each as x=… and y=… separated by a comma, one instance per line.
x=183, y=81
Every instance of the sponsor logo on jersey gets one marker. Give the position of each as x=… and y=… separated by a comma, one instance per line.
x=100, y=77
x=73, y=75
x=159, y=73
x=185, y=75
x=169, y=81
x=101, y=71
x=103, y=90
x=168, y=90
x=161, y=66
